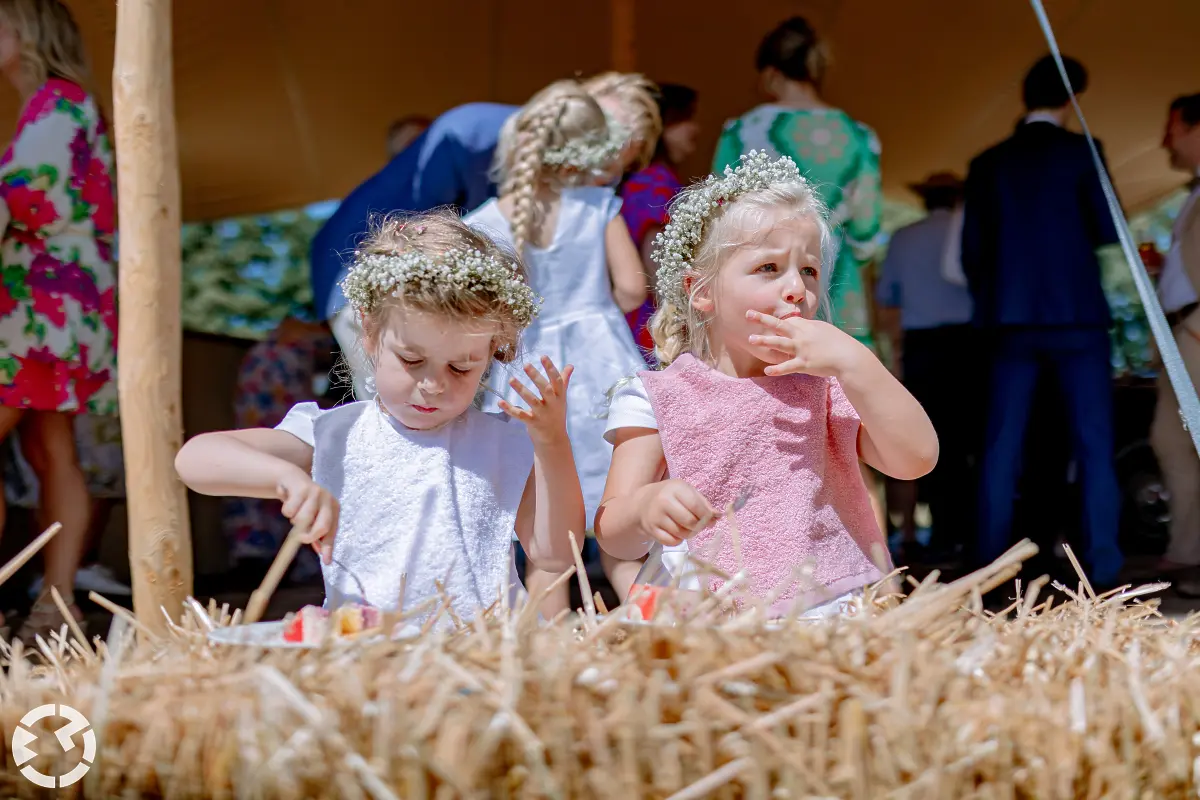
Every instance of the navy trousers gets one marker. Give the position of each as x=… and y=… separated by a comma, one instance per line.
x=1080, y=359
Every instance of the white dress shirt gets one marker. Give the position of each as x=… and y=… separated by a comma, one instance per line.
x=1175, y=289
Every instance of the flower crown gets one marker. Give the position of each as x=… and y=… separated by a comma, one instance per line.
x=375, y=277
x=675, y=247
x=586, y=154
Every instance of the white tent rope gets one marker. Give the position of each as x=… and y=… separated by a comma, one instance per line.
x=1181, y=382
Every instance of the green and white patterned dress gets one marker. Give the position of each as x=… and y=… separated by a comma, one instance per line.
x=841, y=158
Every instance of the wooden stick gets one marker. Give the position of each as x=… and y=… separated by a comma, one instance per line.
x=29, y=552
x=149, y=379
x=262, y=595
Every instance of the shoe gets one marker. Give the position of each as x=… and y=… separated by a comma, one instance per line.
x=45, y=617
x=93, y=578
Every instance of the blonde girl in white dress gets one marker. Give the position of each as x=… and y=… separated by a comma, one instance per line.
x=581, y=260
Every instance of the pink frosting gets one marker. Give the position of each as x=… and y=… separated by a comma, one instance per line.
x=795, y=440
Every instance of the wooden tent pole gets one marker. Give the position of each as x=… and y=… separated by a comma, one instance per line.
x=150, y=335
x=624, y=41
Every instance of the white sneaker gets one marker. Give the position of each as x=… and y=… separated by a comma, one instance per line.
x=93, y=578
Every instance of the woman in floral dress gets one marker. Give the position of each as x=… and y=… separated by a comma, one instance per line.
x=58, y=313
x=838, y=154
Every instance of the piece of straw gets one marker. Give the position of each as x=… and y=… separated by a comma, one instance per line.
x=29, y=552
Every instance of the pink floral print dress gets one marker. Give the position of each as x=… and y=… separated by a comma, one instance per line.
x=58, y=307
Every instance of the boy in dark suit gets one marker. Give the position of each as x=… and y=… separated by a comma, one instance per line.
x=1035, y=217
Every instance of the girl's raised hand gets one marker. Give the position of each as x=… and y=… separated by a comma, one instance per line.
x=313, y=508
x=546, y=417
x=806, y=346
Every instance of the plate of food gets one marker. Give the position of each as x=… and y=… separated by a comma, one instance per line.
x=310, y=627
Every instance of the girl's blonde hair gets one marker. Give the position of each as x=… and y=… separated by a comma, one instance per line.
x=51, y=45
x=560, y=136
x=676, y=326
x=420, y=262
x=638, y=97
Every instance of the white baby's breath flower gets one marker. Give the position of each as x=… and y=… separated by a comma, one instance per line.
x=675, y=247
x=375, y=277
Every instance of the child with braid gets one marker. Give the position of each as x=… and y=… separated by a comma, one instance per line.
x=580, y=259
x=417, y=481
x=757, y=392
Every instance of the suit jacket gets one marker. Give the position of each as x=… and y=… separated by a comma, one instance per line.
x=1035, y=214
x=446, y=165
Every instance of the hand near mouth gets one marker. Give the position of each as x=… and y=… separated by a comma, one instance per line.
x=798, y=345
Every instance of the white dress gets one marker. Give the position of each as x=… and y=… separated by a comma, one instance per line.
x=439, y=505
x=579, y=324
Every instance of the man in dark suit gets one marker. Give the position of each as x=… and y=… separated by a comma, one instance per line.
x=1035, y=217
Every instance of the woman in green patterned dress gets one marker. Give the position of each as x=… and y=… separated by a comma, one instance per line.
x=834, y=151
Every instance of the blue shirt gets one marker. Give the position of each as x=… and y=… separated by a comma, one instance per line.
x=912, y=281
x=446, y=165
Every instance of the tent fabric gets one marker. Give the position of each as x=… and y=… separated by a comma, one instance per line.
x=283, y=103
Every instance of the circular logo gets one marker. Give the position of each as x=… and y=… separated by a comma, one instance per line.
x=76, y=723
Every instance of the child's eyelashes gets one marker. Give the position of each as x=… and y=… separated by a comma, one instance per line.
x=770, y=266
x=416, y=362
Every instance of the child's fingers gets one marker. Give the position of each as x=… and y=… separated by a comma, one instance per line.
x=552, y=372
x=305, y=516
x=523, y=391
x=784, y=344
x=291, y=500
x=539, y=380
x=788, y=367
x=322, y=526
x=568, y=371
x=697, y=504
x=681, y=515
x=327, y=551
x=519, y=414
x=668, y=539
x=773, y=323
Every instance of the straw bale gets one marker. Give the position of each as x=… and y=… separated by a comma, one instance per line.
x=1074, y=696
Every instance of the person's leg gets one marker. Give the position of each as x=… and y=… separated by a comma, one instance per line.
x=48, y=442
x=621, y=574
x=1085, y=372
x=902, y=501
x=536, y=580
x=929, y=375
x=1010, y=396
x=346, y=332
x=1179, y=463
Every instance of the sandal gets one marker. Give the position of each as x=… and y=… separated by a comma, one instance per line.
x=44, y=617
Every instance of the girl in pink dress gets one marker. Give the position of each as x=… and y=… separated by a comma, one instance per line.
x=757, y=392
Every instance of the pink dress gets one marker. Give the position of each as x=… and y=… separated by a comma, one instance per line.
x=794, y=439
x=58, y=307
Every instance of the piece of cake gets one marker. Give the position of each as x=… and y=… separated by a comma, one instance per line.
x=306, y=626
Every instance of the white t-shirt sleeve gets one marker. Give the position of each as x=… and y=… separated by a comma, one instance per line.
x=630, y=408
x=612, y=206
x=301, y=422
